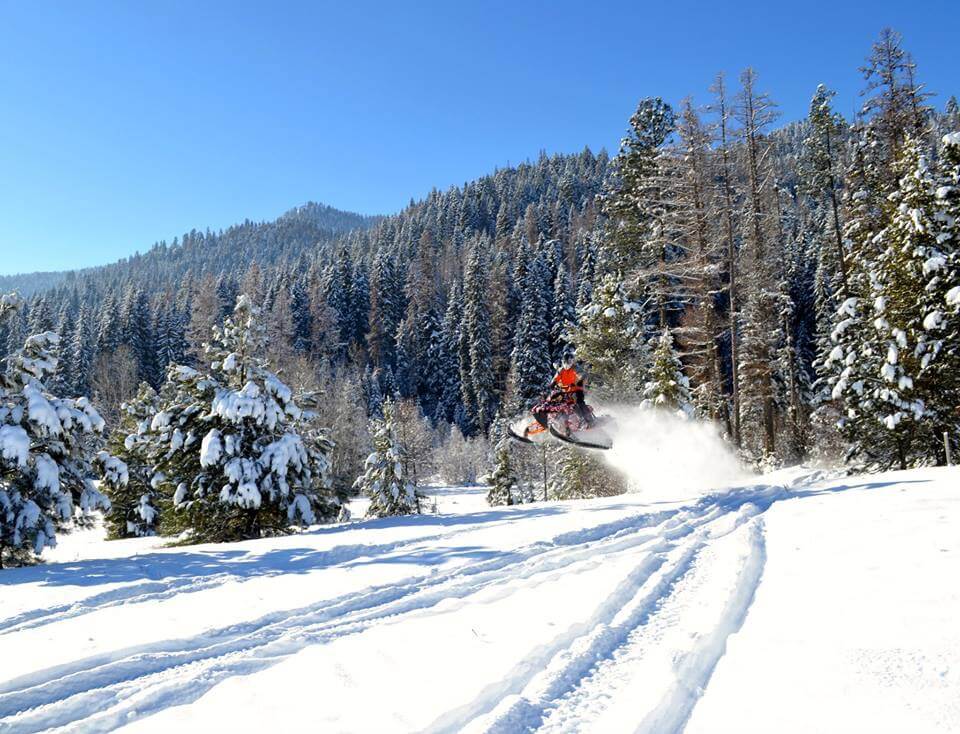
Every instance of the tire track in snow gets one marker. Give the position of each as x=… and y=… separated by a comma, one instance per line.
x=159, y=589
x=521, y=703
x=143, y=680
x=651, y=682
x=695, y=669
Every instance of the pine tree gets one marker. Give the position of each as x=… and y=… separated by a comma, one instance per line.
x=383, y=481
x=667, y=387
x=46, y=455
x=340, y=285
x=899, y=274
x=531, y=365
x=610, y=341
x=822, y=149
x=433, y=370
x=39, y=317
x=357, y=320
x=232, y=447
x=134, y=503
x=108, y=328
x=450, y=407
x=302, y=317
x=80, y=354
x=627, y=200
x=881, y=343
x=477, y=380
x=563, y=315
x=372, y=391
x=894, y=104
x=951, y=114
x=502, y=479
x=941, y=302
x=386, y=310
x=136, y=332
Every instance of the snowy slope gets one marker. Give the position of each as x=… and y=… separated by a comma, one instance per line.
x=795, y=605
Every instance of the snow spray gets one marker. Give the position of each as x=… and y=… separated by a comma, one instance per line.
x=668, y=457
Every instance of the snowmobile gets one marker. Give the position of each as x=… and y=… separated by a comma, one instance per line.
x=557, y=417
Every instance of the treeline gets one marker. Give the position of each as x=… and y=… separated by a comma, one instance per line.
x=797, y=276
x=809, y=276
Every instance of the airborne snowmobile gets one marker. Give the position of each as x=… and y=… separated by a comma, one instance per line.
x=563, y=415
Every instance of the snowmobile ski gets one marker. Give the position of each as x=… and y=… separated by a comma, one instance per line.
x=518, y=437
x=575, y=442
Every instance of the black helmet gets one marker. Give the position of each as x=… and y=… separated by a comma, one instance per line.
x=567, y=359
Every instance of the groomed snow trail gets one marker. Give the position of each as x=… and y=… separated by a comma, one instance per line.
x=574, y=687
x=607, y=615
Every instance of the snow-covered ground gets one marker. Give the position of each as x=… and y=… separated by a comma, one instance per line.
x=801, y=604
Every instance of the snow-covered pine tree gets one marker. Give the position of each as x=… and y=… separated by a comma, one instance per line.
x=134, y=503
x=47, y=452
x=372, y=391
x=80, y=353
x=450, y=406
x=667, y=386
x=501, y=325
x=39, y=318
x=881, y=340
x=898, y=279
x=433, y=367
x=822, y=150
x=531, y=368
x=478, y=382
x=563, y=315
x=610, y=341
x=302, y=314
x=386, y=309
x=108, y=327
x=61, y=381
x=502, y=479
x=234, y=450
x=136, y=331
x=338, y=284
x=626, y=201
x=941, y=300
x=585, y=274
x=390, y=491
x=358, y=315
x=848, y=367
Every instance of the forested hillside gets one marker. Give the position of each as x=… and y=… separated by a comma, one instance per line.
x=798, y=285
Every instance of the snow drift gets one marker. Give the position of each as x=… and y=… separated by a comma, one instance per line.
x=669, y=457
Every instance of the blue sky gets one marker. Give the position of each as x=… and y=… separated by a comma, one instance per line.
x=124, y=123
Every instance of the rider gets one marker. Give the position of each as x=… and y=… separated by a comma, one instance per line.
x=567, y=384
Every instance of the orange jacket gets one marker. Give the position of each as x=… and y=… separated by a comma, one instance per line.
x=567, y=380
